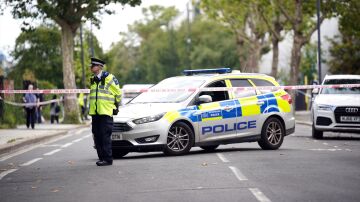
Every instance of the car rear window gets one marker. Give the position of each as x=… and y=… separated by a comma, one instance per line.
x=242, y=83
x=261, y=82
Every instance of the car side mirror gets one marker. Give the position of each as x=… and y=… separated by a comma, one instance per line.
x=204, y=99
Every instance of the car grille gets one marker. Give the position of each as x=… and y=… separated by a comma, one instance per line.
x=121, y=143
x=121, y=127
x=342, y=111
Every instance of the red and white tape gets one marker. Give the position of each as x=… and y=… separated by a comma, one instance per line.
x=161, y=90
x=31, y=104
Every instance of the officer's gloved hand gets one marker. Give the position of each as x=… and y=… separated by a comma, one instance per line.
x=116, y=110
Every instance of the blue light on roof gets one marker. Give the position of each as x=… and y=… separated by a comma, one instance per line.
x=207, y=71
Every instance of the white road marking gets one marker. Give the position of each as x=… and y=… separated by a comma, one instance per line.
x=87, y=136
x=259, y=195
x=325, y=149
x=81, y=131
x=50, y=145
x=31, y=162
x=3, y=174
x=52, y=152
x=238, y=174
x=66, y=145
x=77, y=140
x=31, y=148
x=325, y=143
x=222, y=158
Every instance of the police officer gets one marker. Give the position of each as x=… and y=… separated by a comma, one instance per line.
x=105, y=95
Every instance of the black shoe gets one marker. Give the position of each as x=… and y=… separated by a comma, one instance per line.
x=103, y=163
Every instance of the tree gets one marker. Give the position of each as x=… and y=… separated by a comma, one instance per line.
x=301, y=18
x=250, y=30
x=345, y=48
x=68, y=15
x=39, y=52
x=276, y=23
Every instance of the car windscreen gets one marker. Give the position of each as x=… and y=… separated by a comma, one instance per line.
x=341, y=90
x=166, y=97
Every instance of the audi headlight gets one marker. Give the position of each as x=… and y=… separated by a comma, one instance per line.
x=326, y=107
x=149, y=119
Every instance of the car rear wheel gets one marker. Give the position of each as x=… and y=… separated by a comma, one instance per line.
x=116, y=153
x=272, y=134
x=180, y=139
x=209, y=147
x=317, y=134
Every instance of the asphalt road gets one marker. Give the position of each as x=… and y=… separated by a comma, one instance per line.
x=303, y=169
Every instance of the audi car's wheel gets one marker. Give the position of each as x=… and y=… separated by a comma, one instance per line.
x=317, y=134
x=180, y=139
x=272, y=134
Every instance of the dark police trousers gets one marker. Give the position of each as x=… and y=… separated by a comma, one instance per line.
x=102, y=128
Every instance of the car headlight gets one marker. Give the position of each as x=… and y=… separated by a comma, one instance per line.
x=149, y=119
x=326, y=107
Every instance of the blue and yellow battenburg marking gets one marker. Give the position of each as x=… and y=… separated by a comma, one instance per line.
x=248, y=106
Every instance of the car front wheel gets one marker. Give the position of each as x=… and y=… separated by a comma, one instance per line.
x=272, y=134
x=317, y=134
x=180, y=139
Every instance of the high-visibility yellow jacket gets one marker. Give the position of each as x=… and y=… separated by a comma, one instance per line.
x=105, y=93
x=81, y=99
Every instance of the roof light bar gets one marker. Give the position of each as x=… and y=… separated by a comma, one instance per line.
x=207, y=71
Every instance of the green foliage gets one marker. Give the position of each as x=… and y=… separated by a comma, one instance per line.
x=38, y=55
x=11, y=116
x=308, y=66
x=345, y=48
x=154, y=49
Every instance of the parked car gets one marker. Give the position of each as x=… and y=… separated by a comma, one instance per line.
x=336, y=109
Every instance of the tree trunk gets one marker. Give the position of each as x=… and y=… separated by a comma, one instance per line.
x=241, y=50
x=275, y=56
x=254, y=57
x=295, y=64
x=67, y=44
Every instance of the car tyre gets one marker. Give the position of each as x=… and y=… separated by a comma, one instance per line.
x=317, y=134
x=180, y=139
x=116, y=153
x=209, y=147
x=272, y=134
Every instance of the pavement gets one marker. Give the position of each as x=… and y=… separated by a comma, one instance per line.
x=17, y=138
x=303, y=117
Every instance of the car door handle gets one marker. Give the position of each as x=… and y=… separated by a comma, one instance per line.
x=260, y=103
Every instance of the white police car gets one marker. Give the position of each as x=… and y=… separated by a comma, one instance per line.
x=174, y=121
x=336, y=109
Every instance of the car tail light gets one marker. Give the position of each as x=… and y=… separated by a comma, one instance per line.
x=287, y=97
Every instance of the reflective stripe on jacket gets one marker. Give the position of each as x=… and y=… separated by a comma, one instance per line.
x=104, y=94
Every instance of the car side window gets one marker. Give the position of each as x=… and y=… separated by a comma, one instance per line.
x=261, y=82
x=217, y=95
x=242, y=83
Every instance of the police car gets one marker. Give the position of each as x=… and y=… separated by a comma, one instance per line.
x=336, y=109
x=174, y=121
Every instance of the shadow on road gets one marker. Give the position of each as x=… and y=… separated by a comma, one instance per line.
x=198, y=152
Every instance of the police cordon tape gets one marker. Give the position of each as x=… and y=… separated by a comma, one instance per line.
x=161, y=90
x=30, y=104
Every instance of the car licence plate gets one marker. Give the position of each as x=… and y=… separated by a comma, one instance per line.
x=350, y=118
x=116, y=136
